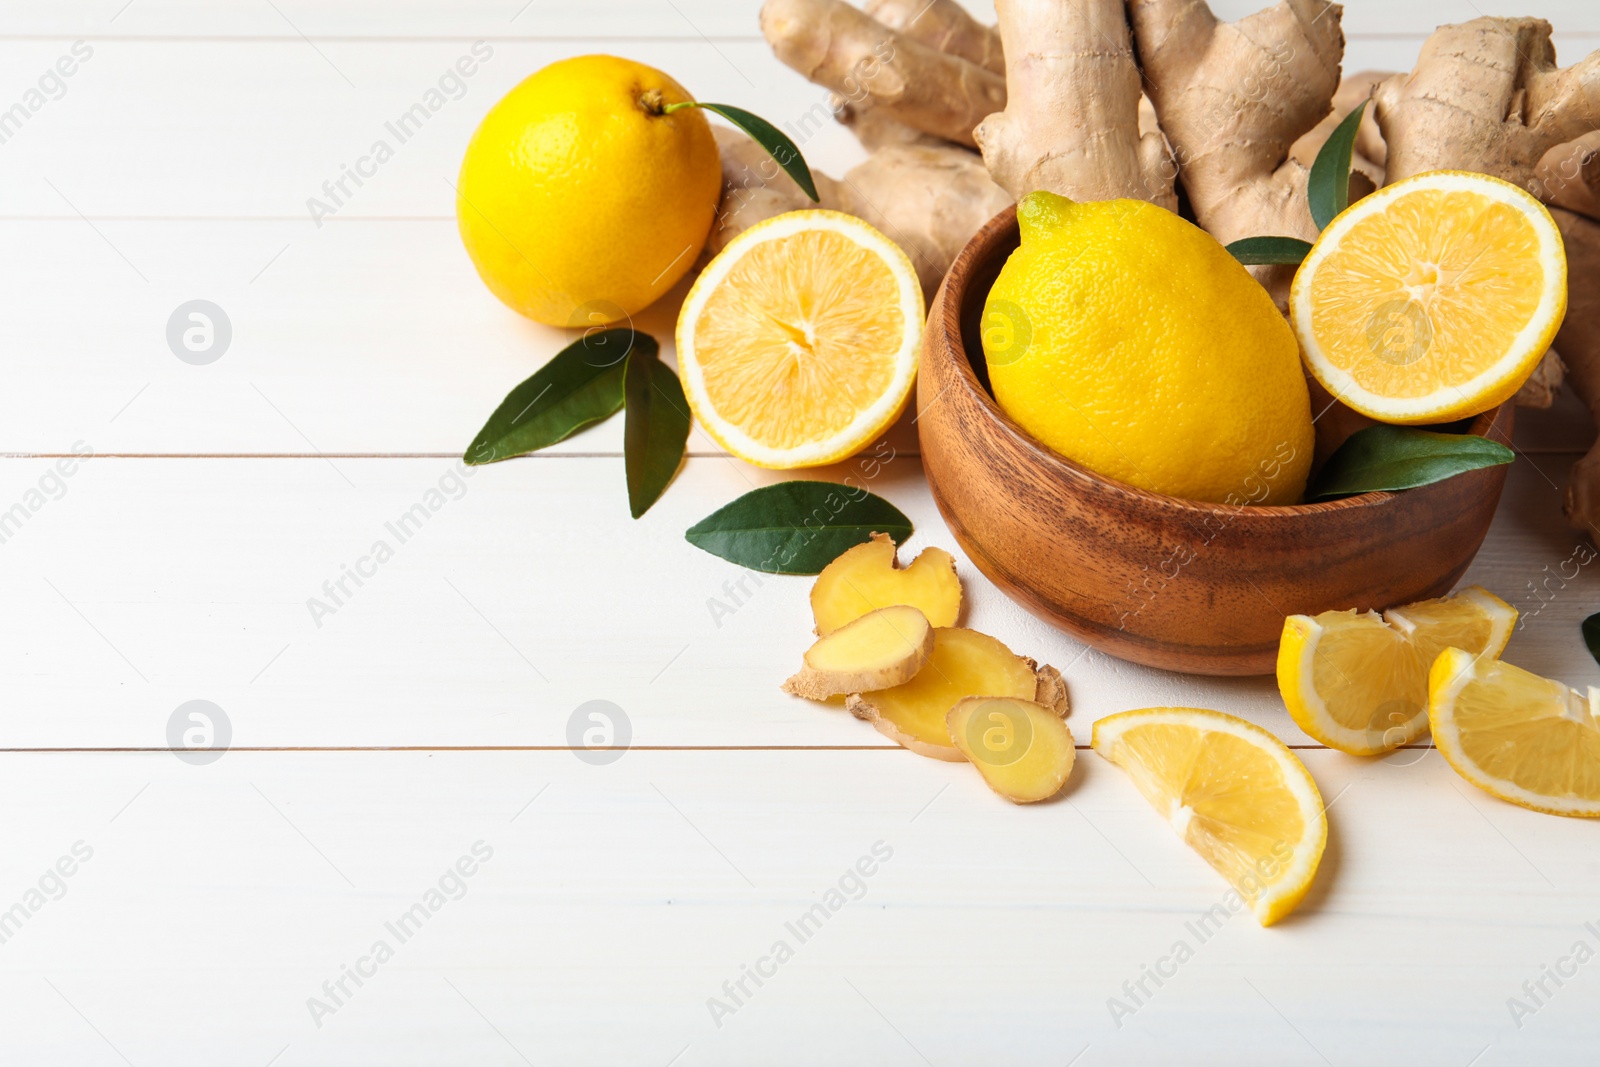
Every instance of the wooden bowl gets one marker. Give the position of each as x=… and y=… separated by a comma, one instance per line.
x=1170, y=583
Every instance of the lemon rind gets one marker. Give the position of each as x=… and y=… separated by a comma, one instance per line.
x=873, y=420
x=1489, y=388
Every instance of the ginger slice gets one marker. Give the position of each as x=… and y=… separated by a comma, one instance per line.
x=880, y=650
x=866, y=577
x=964, y=663
x=1022, y=748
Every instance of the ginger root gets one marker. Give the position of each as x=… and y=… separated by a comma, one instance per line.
x=878, y=650
x=964, y=663
x=1022, y=748
x=846, y=50
x=1232, y=98
x=943, y=25
x=868, y=577
x=1486, y=96
x=1071, y=120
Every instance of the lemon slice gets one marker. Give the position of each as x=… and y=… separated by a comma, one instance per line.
x=1358, y=682
x=1515, y=735
x=1232, y=791
x=798, y=344
x=1432, y=299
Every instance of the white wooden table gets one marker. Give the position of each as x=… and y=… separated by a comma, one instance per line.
x=211, y=907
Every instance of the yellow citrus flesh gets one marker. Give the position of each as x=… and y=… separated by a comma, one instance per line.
x=1525, y=739
x=1358, y=681
x=578, y=204
x=1132, y=343
x=1432, y=299
x=798, y=343
x=1232, y=791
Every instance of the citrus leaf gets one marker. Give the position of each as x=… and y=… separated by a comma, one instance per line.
x=1591, y=635
x=796, y=527
x=1328, y=188
x=1401, y=457
x=1255, y=251
x=778, y=146
x=582, y=384
x=655, y=430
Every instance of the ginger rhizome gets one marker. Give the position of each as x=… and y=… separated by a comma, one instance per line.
x=865, y=578
x=877, y=650
x=1021, y=747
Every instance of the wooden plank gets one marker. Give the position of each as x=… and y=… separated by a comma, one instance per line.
x=219, y=899
x=526, y=593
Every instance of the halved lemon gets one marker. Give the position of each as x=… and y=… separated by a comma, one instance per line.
x=798, y=344
x=1523, y=738
x=1432, y=299
x=1358, y=681
x=1232, y=791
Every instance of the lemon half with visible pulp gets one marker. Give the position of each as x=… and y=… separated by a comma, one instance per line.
x=1432, y=299
x=798, y=345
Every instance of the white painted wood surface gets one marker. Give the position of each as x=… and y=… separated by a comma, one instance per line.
x=373, y=747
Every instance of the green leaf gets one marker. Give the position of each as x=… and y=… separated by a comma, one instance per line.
x=656, y=428
x=1591, y=635
x=796, y=527
x=1254, y=251
x=778, y=146
x=1401, y=457
x=1328, y=188
x=581, y=385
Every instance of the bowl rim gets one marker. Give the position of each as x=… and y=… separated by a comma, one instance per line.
x=948, y=301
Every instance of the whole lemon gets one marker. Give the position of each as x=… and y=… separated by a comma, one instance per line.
x=1131, y=342
x=579, y=201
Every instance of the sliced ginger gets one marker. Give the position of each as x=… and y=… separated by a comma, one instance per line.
x=1021, y=747
x=880, y=650
x=866, y=577
x=964, y=663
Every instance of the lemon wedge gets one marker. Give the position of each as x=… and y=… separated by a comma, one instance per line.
x=798, y=345
x=1523, y=738
x=1358, y=681
x=1232, y=791
x=1432, y=299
